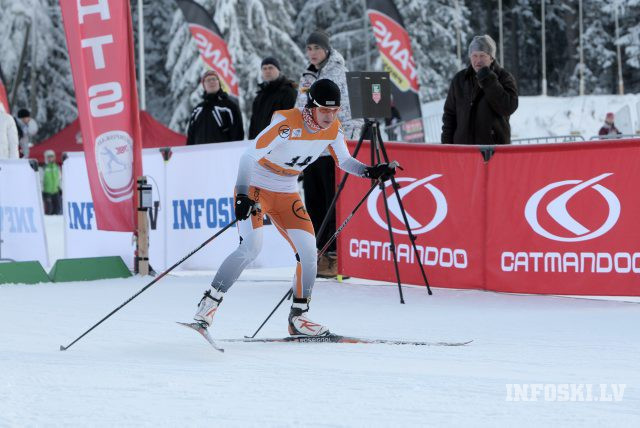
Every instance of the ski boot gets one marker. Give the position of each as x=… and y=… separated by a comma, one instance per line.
x=207, y=308
x=300, y=325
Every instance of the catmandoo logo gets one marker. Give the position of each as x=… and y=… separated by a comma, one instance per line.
x=420, y=221
x=558, y=211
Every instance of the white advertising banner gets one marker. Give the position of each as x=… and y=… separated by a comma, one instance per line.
x=200, y=185
x=83, y=239
x=194, y=194
x=22, y=235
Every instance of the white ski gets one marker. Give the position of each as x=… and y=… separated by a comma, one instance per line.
x=203, y=332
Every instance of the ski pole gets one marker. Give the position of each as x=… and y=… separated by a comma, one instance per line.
x=156, y=279
x=289, y=293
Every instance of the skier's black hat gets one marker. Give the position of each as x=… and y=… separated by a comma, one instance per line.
x=323, y=93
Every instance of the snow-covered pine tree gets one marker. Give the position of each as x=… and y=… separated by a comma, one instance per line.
x=157, y=18
x=59, y=98
x=253, y=29
x=630, y=42
x=347, y=25
x=562, y=46
x=599, y=49
x=49, y=95
x=432, y=29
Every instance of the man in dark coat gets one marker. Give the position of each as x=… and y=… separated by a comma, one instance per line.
x=481, y=98
x=276, y=93
x=217, y=118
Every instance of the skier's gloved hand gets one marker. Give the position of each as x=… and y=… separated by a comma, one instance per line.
x=244, y=206
x=382, y=171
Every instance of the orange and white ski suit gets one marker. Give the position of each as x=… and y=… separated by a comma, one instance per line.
x=268, y=174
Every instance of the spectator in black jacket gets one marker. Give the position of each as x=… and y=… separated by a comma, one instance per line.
x=481, y=98
x=217, y=118
x=275, y=93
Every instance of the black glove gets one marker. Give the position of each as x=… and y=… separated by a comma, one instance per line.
x=382, y=171
x=483, y=72
x=244, y=206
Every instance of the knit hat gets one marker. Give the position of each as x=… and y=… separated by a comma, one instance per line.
x=271, y=60
x=483, y=44
x=609, y=116
x=209, y=73
x=23, y=112
x=323, y=93
x=320, y=38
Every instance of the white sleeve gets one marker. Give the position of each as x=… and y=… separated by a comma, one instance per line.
x=267, y=140
x=12, y=139
x=245, y=169
x=264, y=142
x=340, y=152
x=32, y=127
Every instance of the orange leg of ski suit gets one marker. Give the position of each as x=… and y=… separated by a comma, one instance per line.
x=289, y=215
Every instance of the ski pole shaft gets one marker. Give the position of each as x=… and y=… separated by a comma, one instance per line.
x=285, y=297
x=289, y=293
x=346, y=220
x=156, y=279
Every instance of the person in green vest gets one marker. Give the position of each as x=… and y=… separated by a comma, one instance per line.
x=51, y=192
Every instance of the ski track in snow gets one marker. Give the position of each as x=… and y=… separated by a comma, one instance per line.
x=139, y=368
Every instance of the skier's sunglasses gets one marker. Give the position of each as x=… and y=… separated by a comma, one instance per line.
x=328, y=110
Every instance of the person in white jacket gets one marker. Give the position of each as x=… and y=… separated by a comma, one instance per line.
x=319, y=178
x=8, y=136
x=29, y=130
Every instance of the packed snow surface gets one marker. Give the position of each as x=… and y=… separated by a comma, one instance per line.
x=139, y=368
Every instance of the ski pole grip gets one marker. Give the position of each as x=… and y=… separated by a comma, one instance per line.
x=396, y=164
x=256, y=208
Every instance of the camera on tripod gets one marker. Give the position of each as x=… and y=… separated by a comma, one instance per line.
x=369, y=94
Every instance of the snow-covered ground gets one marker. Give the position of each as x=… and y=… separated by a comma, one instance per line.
x=141, y=369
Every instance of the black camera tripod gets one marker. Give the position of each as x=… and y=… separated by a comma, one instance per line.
x=378, y=152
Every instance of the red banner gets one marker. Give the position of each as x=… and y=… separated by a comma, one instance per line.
x=564, y=219
x=550, y=219
x=395, y=48
x=394, y=45
x=212, y=47
x=100, y=42
x=442, y=190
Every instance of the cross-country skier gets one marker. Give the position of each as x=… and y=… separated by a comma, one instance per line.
x=267, y=176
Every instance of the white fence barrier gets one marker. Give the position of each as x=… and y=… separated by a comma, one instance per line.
x=194, y=189
x=22, y=234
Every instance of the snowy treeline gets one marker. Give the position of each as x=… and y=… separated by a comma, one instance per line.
x=254, y=29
